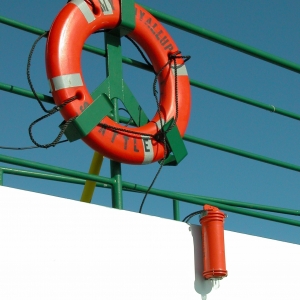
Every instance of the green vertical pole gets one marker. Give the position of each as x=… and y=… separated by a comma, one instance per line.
x=114, y=72
x=115, y=84
x=176, y=213
x=1, y=177
x=116, y=190
x=115, y=171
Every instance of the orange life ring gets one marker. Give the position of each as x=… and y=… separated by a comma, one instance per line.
x=73, y=25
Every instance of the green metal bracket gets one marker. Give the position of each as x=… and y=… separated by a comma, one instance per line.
x=127, y=18
x=89, y=118
x=176, y=145
x=114, y=85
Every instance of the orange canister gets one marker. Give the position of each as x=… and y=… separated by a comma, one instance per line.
x=214, y=263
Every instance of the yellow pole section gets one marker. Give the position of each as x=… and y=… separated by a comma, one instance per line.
x=89, y=187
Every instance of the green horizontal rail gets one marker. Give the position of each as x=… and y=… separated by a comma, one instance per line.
x=186, y=137
x=46, y=176
x=271, y=108
x=21, y=26
x=54, y=169
x=255, y=206
x=143, y=66
x=24, y=92
x=86, y=47
x=126, y=60
x=223, y=40
x=245, y=100
x=183, y=25
x=68, y=179
x=27, y=93
x=199, y=200
x=243, y=153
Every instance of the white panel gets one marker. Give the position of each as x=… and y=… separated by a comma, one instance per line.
x=54, y=248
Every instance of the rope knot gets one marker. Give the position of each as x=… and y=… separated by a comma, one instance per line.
x=160, y=136
x=174, y=55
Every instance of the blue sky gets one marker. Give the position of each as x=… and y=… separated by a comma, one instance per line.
x=271, y=26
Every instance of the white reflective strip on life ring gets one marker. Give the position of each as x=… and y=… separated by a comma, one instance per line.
x=181, y=70
x=158, y=123
x=148, y=150
x=84, y=8
x=106, y=7
x=147, y=144
x=67, y=81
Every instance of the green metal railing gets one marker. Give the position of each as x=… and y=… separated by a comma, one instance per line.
x=71, y=176
x=115, y=183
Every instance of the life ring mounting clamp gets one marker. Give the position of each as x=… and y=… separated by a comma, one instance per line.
x=91, y=112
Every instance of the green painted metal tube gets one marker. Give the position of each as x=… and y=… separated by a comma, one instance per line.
x=126, y=60
x=183, y=25
x=68, y=179
x=1, y=177
x=176, y=210
x=243, y=153
x=271, y=108
x=46, y=176
x=255, y=206
x=86, y=47
x=21, y=26
x=23, y=92
x=245, y=100
x=116, y=190
x=27, y=93
x=223, y=40
x=116, y=172
x=133, y=187
x=53, y=169
x=194, y=200
x=140, y=189
x=114, y=72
